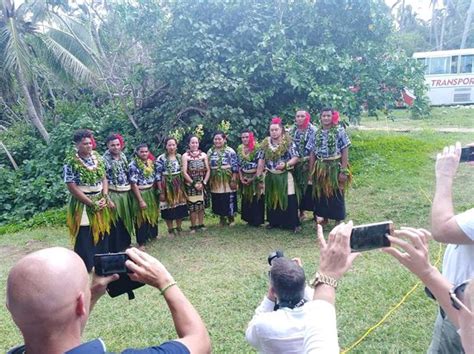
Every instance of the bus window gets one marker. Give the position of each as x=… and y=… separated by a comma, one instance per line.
x=439, y=65
x=466, y=63
x=423, y=62
x=454, y=64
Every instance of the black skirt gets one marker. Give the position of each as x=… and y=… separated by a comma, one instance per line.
x=286, y=219
x=307, y=200
x=331, y=208
x=224, y=204
x=146, y=232
x=254, y=212
x=176, y=213
x=85, y=248
x=119, y=238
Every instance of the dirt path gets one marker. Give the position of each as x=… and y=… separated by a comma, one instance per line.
x=407, y=130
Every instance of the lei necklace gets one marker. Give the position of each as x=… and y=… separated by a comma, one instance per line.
x=331, y=143
x=146, y=168
x=302, y=142
x=117, y=165
x=220, y=155
x=275, y=154
x=90, y=175
x=248, y=157
x=169, y=163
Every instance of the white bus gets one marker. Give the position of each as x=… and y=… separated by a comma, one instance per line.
x=449, y=75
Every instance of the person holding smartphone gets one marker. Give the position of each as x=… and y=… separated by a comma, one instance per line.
x=52, y=318
x=457, y=302
x=458, y=232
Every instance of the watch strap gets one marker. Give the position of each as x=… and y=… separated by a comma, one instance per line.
x=320, y=278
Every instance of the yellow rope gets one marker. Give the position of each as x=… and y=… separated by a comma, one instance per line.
x=384, y=318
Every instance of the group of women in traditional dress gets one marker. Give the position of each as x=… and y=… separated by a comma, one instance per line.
x=304, y=168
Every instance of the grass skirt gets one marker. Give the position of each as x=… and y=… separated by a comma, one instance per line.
x=174, y=191
x=301, y=175
x=99, y=220
x=325, y=177
x=276, y=190
x=220, y=179
x=124, y=210
x=148, y=215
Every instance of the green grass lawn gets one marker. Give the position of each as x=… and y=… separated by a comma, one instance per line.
x=446, y=117
x=223, y=271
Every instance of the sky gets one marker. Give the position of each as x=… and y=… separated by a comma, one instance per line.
x=421, y=7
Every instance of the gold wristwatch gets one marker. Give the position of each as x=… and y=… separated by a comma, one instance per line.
x=323, y=279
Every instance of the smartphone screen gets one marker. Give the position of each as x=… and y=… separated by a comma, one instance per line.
x=371, y=236
x=110, y=263
x=467, y=154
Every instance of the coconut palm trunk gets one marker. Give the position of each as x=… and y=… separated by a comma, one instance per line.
x=467, y=25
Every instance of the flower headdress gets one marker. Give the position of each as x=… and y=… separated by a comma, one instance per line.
x=251, y=144
x=307, y=120
x=276, y=120
x=335, y=117
x=198, y=131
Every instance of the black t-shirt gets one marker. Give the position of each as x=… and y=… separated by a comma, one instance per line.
x=96, y=346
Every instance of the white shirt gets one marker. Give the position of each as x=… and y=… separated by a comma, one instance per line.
x=321, y=329
x=283, y=331
x=458, y=261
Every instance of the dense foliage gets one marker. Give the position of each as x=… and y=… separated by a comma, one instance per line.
x=150, y=67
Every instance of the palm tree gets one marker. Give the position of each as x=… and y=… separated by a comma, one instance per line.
x=467, y=25
x=33, y=38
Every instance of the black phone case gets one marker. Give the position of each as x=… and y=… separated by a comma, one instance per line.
x=124, y=285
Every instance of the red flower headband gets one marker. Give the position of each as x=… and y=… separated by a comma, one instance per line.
x=251, y=144
x=120, y=139
x=335, y=117
x=306, y=120
x=276, y=120
x=94, y=144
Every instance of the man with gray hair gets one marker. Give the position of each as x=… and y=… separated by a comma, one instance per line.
x=280, y=321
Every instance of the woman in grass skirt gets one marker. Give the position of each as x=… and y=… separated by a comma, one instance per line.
x=224, y=177
x=196, y=172
x=251, y=186
x=142, y=182
x=173, y=202
x=279, y=158
x=329, y=163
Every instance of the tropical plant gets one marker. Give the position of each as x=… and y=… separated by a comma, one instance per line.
x=38, y=40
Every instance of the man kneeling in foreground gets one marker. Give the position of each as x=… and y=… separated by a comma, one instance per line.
x=49, y=298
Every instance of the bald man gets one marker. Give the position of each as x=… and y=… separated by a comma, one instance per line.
x=49, y=298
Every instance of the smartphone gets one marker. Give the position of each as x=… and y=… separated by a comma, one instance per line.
x=110, y=263
x=371, y=236
x=467, y=154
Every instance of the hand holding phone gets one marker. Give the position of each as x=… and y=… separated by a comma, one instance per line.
x=371, y=236
x=110, y=263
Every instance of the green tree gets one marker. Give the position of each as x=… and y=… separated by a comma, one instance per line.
x=36, y=41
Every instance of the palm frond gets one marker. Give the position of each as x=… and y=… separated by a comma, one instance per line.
x=81, y=71
x=16, y=52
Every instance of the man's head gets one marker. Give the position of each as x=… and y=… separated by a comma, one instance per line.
x=48, y=295
x=84, y=141
x=142, y=151
x=114, y=144
x=287, y=280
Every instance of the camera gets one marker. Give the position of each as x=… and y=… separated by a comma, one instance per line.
x=110, y=263
x=273, y=255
